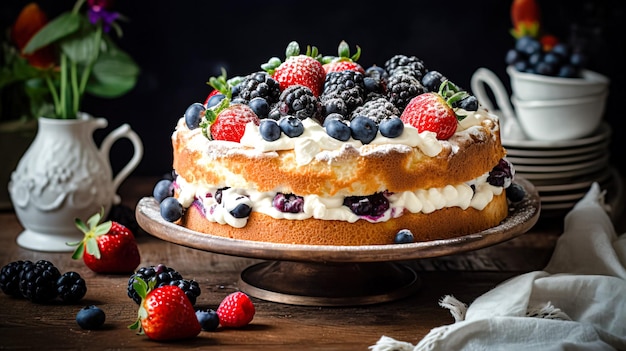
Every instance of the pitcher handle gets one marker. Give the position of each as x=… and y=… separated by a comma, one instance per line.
x=483, y=77
x=123, y=131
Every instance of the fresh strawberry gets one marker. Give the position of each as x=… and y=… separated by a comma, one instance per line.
x=107, y=247
x=230, y=122
x=525, y=18
x=433, y=111
x=236, y=310
x=303, y=69
x=343, y=62
x=165, y=313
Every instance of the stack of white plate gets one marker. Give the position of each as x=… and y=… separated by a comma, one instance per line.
x=562, y=171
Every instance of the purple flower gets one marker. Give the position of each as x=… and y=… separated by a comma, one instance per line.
x=98, y=12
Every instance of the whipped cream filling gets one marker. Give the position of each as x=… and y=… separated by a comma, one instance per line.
x=315, y=143
x=476, y=193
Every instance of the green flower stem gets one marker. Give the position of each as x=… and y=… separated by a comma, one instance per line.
x=62, y=109
x=87, y=70
x=53, y=92
x=75, y=91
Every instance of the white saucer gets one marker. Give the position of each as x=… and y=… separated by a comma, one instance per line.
x=584, y=167
x=603, y=133
x=556, y=160
x=597, y=147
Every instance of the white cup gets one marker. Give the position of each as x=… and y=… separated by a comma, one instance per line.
x=551, y=117
x=560, y=119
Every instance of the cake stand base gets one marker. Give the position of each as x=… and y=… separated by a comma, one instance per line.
x=329, y=284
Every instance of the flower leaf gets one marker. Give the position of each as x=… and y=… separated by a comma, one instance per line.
x=114, y=74
x=62, y=26
x=81, y=48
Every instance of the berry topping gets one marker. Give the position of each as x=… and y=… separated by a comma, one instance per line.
x=298, y=69
x=90, y=317
x=269, y=129
x=230, y=123
x=502, y=174
x=163, y=275
x=343, y=62
x=194, y=114
x=298, y=101
x=391, y=127
x=236, y=310
x=431, y=112
x=291, y=126
x=363, y=129
x=241, y=210
x=336, y=127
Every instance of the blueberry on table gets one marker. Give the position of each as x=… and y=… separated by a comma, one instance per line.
x=208, y=319
x=90, y=317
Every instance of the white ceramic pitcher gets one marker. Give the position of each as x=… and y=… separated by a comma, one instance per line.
x=64, y=176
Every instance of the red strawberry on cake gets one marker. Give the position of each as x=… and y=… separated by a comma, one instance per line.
x=302, y=69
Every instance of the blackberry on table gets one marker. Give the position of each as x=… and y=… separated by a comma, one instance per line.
x=10, y=278
x=71, y=287
x=162, y=275
x=38, y=281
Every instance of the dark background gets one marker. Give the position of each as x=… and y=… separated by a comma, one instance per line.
x=179, y=45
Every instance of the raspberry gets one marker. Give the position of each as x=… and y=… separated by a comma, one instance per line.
x=236, y=310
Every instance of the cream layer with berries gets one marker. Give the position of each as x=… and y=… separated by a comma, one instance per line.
x=435, y=188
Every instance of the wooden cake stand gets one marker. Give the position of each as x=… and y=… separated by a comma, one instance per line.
x=317, y=275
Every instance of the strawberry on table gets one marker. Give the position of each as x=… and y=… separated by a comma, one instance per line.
x=302, y=69
x=343, y=62
x=236, y=310
x=107, y=247
x=165, y=313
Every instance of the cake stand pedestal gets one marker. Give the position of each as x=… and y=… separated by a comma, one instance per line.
x=321, y=275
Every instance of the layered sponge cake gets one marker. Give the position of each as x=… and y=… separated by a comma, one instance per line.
x=320, y=151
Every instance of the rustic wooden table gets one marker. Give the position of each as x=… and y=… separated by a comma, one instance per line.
x=276, y=326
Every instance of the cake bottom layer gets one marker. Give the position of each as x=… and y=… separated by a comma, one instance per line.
x=441, y=224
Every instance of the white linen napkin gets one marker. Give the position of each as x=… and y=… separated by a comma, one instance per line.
x=578, y=302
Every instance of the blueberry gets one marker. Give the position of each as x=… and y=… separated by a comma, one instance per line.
x=291, y=126
x=171, y=209
x=288, y=203
x=208, y=319
x=578, y=59
x=515, y=192
x=567, y=71
x=528, y=45
x=260, y=107
x=214, y=100
x=90, y=317
x=373, y=205
x=561, y=49
x=337, y=128
x=363, y=128
x=193, y=115
x=513, y=56
x=391, y=127
x=241, y=211
x=468, y=103
x=163, y=188
x=269, y=129
x=432, y=80
x=404, y=236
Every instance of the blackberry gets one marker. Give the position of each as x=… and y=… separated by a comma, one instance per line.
x=333, y=105
x=38, y=281
x=190, y=287
x=347, y=85
x=258, y=84
x=162, y=275
x=298, y=101
x=502, y=174
x=71, y=287
x=373, y=205
x=377, y=110
x=410, y=65
x=401, y=88
x=10, y=278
